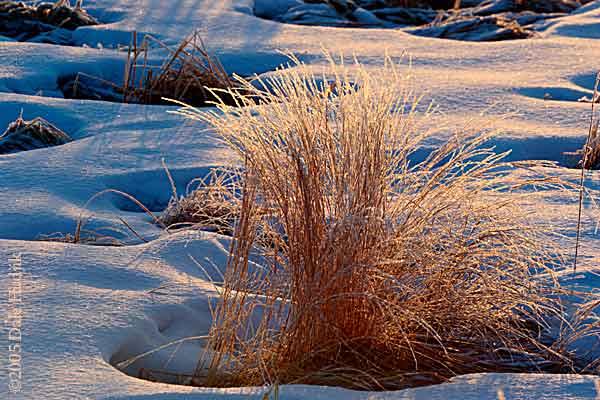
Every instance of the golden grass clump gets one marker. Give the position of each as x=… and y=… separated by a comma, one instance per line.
x=389, y=263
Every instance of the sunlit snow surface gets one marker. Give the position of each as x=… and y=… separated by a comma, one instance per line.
x=85, y=307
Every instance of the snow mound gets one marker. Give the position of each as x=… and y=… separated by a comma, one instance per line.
x=87, y=308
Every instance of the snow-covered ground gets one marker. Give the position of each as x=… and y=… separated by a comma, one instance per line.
x=85, y=307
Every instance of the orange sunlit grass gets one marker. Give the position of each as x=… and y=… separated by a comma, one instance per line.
x=383, y=268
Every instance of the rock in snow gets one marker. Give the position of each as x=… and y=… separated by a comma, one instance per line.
x=26, y=22
x=476, y=20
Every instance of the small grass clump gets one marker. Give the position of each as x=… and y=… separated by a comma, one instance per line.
x=587, y=158
x=185, y=74
x=387, y=266
x=209, y=206
x=38, y=133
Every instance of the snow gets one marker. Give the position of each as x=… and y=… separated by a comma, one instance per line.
x=86, y=307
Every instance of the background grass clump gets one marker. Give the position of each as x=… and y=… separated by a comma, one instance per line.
x=388, y=263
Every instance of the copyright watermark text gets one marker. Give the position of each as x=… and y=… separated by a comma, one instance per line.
x=13, y=320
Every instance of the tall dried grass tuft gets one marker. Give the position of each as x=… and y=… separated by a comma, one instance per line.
x=389, y=263
x=184, y=75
